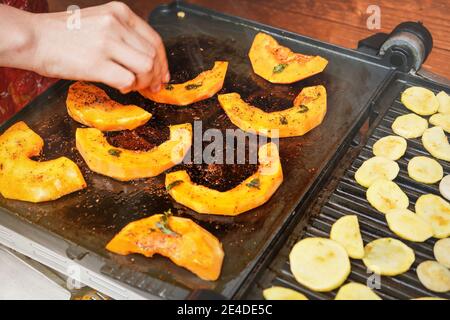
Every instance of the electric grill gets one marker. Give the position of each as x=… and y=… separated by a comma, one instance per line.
x=70, y=234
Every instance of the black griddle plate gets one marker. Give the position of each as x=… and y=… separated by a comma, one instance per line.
x=90, y=218
x=349, y=198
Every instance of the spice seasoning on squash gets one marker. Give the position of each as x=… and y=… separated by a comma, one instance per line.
x=255, y=183
x=169, y=87
x=193, y=86
x=163, y=224
x=279, y=67
x=174, y=184
x=114, y=152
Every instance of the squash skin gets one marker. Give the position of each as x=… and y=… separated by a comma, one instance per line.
x=289, y=123
x=125, y=165
x=91, y=106
x=237, y=200
x=24, y=179
x=194, y=248
x=265, y=54
x=211, y=80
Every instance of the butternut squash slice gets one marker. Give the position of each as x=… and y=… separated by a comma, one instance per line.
x=125, y=165
x=249, y=194
x=307, y=113
x=35, y=181
x=278, y=64
x=179, y=239
x=202, y=87
x=91, y=106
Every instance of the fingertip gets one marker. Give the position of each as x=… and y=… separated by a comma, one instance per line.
x=166, y=77
x=156, y=88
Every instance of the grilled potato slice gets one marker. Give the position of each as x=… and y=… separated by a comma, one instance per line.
x=280, y=293
x=444, y=102
x=436, y=143
x=409, y=126
x=424, y=169
x=434, y=276
x=420, y=100
x=442, y=252
x=388, y=257
x=391, y=147
x=435, y=211
x=319, y=264
x=346, y=232
x=374, y=169
x=441, y=120
x=385, y=195
x=356, y=291
x=409, y=226
x=444, y=187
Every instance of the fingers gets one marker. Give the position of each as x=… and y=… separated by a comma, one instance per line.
x=116, y=76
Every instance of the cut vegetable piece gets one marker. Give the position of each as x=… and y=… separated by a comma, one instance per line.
x=420, y=100
x=444, y=187
x=436, y=211
x=307, y=113
x=123, y=164
x=436, y=143
x=424, y=169
x=35, y=181
x=180, y=239
x=376, y=168
x=385, y=195
x=442, y=252
x=279, y=64
x=346, y=232
x=280, y=293
x=356, y=291
x=388, y=257
x=409, y=226
x=91, y=106
x=434, y=276
x=391, y=147
x=444, y=102
x=441, y=120
x=202, y=87
x=319, y=264
x=409, y=126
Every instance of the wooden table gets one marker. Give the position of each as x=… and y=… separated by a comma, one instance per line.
x=335, y=21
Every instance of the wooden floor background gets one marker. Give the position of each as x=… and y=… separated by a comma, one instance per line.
x=341, y=22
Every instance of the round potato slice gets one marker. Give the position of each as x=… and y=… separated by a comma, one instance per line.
x=319, y=264
x=356, y=291
x=409, y=126
x=441, y=120
x=436, y=143
x=346, y=232
x=385, y=195
x=442, y=252
x=376, y=168
x=420, y=100
x=444, y=187
x=444, y=102
x=424, y=169
x=436, y=211
x=388, y=257
x=434, y=276
x=409, y=226
x=391, y=147
x=281, y=293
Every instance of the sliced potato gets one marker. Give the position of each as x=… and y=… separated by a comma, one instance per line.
x=281, y=293
x=376, y=168
x=346, y=232
x=420, y=100
x=391, y=147
x=436, y=211
x=442, y=252
x=444, y=102
x=441, y=120
x=436, y=143
x=409, y=126
x=409, y=226
x=424, y=169
x=356, y=291
x=385, y=195
x=444, y=187
x=319, y=264
x=434, y=276
x=388, y=256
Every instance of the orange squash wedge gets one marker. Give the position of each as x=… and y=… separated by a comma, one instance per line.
x=308, y=111
x=24, y=179
x=125, y=165
x=249, y=194
x=180, y=239
x=278, y=64
x=202, y=87
x=91, y=106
